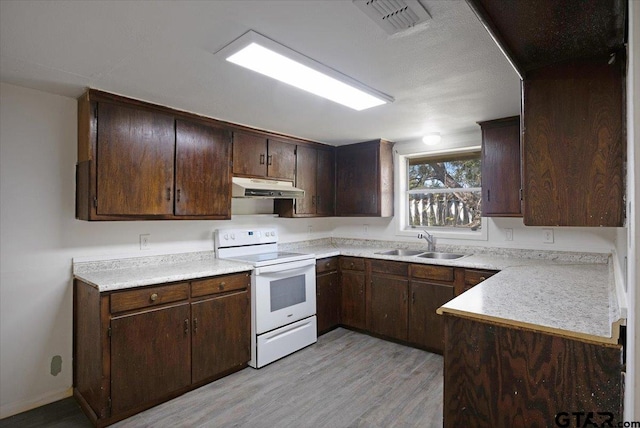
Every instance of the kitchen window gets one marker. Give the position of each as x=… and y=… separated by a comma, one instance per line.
x=441, y=193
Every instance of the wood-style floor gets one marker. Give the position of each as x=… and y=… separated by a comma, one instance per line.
x=347, y=379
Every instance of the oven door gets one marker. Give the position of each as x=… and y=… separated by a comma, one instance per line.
x=284, y=293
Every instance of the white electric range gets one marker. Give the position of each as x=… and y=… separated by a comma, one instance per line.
x=283, y=292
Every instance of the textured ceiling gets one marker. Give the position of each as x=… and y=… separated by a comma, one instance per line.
x=445, y=75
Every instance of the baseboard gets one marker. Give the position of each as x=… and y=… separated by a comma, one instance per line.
x=7, y=410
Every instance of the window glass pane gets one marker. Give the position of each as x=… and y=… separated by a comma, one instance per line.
x=438, y=174
x=456, y=209
x=445, y=191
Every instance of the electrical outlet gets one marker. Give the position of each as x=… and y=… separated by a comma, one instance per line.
x=365, y=229
x=144, y=241
x=547, y=236
x=309, y=229
x=508, y=234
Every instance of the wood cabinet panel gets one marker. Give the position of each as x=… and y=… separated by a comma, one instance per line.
x=326, y=264
x=328, y=301
x=306, y=163
x=351, y=263
x=315, y=174
x=364, y=179
x=573, y=145
x=148, y=296
x=203, y=171
x=220, y=284
x=501, y=175
x=473, y=277
x=500, y=376
x=389, y=268
x=281, y=160
x=438, y=273
x=426, y=328
x=388, y=314
x=221, y=335
x=352, y=284
x=325, y=183
x=249, y=155
x=145, y=365
x=136, y=153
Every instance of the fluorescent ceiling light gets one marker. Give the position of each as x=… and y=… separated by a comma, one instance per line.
x=263, y=55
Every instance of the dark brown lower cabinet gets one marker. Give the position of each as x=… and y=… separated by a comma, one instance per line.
x=328, y=294
x=502, y=376
x=221, y=334
x=389, y=308
x=145, y=365
x=426, y=328
x=135, y=348
x=352, y=285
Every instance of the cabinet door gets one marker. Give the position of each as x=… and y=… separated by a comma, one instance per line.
x=357, y=178
x=221, y=334
x=150, y=356
x=135, y=157
x=327, y=301
x=573, y=145
x=306, y=162
x=389, y=308
x=426, y=328
x=203, y=172
x=325, y=183
x=353, y=303
x=249, y=155
x=281, y=160
x=501, y=181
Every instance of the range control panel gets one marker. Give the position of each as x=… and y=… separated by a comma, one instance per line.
x=224, y=238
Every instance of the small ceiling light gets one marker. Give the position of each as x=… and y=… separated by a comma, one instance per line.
x=432, y=139
x=263, y=55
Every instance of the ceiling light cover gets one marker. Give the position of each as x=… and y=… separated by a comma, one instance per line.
x=263, y=55
x=432, y=139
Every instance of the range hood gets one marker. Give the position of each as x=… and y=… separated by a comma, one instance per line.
x=266, y=189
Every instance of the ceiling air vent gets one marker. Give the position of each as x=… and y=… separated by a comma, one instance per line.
x=394, y=16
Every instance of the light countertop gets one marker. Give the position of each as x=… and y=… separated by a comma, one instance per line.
x=569, y=294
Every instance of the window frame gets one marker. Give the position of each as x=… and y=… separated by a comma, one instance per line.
x=402, y=158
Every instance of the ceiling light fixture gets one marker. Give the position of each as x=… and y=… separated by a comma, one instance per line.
x=263, y=55
x=432, y=139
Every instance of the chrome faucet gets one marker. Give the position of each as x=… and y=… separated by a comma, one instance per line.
x=431, y=240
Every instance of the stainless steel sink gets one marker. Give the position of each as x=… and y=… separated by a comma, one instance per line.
x=400, y=252
x=446, y=256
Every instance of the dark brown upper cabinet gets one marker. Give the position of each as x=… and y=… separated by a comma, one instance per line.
x=364, y=179
x=257, y=155
x=537, y=33
x=501, y=175
x=573, y=145
x=315, y=174
x=139, y=161
x=571, y=57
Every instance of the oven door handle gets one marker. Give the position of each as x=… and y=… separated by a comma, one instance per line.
x=284, y=267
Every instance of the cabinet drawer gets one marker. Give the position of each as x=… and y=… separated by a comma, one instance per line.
x=438, y=273
x=473, y=277
x=220, y=284
x=146, y=297
x=326, y=265
x=390, y=268
x=351, y=263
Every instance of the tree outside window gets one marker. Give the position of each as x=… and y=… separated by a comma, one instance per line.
x=445, y=192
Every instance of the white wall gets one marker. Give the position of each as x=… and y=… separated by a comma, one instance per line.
x=39, y=236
